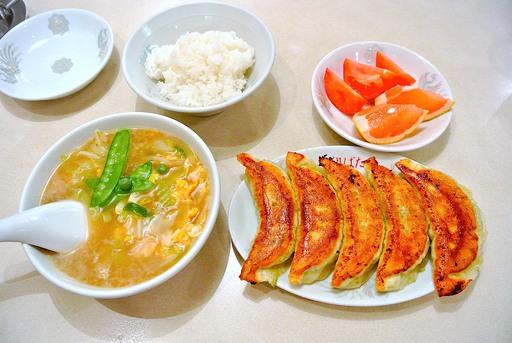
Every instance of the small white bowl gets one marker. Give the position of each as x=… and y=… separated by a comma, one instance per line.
x=168, y=25
x=427, y=77
x=54, y=54
x=51, y=159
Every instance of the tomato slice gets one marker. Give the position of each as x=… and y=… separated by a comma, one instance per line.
x=369, y=81
x=383, y=61
x=386, y=123
x=434, y=103
x=341, y=95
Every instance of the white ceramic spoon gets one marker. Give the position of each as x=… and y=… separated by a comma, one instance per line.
x=60, y=226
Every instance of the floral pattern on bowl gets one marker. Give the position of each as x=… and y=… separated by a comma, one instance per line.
x=61, y=66
x=10, y=60
x=66, y=50
x=58, y=24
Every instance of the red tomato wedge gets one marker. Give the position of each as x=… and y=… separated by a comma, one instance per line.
x=434, y=103
x=385, y=124
x=367, y=80
x=341, y=95
x=383, y=61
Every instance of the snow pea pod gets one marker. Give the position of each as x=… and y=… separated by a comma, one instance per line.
x=144, y=171
x=91, y=183
x=137, y=184
x=114, y=166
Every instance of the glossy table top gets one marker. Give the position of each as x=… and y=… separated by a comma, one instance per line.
x=470, y=42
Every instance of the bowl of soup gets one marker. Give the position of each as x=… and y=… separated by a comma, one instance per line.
x=152, y=193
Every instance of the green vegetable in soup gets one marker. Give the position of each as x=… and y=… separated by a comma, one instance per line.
x=144, y=171
x=91, y=183
x=114, y=166
x=131, y=184
x=138, y=181
x=137, y=209
x=180, y=151
x=125, y=184
x=162, y=169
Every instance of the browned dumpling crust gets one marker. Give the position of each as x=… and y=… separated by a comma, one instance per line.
x=454, y=227
x=320, y=221
x=277, y=211
x=406, y=242
x=363, y=229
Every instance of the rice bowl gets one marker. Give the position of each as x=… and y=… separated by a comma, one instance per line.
x=167, y=26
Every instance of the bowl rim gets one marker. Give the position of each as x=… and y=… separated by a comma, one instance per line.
x=205, y=109
x=36, y=256
x=72, y=88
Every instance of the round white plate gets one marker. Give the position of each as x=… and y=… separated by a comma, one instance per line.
x=243, y=224
x=427, y=77
x=54, y=54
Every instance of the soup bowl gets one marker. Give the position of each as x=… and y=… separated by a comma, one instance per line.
x=44, y=169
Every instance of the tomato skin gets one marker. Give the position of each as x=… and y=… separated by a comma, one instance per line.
x=341, y=95
x=369, y=81
x=383, y=61
x=434, y=103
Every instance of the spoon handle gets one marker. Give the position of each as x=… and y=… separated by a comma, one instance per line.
x=18, y=228
x=59, y=226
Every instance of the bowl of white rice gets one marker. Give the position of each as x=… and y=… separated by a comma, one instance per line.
x=198, y=58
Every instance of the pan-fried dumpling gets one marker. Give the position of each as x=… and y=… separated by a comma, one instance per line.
x=455, y=227
x=320, y=221
x=363, y=230
x=277, y=212
x=406, y=243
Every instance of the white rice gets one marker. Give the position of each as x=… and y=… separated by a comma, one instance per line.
x=201, y=69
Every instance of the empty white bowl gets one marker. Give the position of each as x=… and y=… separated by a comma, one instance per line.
x=54, y=54
x=167, y=26
x=52, y=158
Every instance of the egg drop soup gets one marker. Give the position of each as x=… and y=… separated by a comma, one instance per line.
x=156, y=211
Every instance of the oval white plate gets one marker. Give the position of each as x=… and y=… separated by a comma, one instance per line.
x=243, y=223
x=54, y=54
x=427, y=77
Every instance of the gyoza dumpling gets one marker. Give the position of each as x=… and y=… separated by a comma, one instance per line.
x=455, y=228
x=406, y=242
x=320, y=221
x=275, y=240
x=363, y=230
